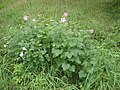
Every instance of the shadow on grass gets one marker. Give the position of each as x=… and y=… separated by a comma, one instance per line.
x=113, y=9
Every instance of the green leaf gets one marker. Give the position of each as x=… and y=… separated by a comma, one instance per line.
x=56, y=52
x=82, y=74
x=75, y=51
x=77, y=60
x=72, y=68
x=81, y=52
x=65, y=66
x=39, y=35
x=71, y=59
x=68, y=54
x=72, y=43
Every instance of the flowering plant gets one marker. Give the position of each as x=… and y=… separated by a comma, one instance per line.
x=52, y=45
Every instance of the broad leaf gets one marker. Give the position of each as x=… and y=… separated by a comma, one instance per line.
x=56, y=52
x=72, y=43
x=68, y=54
x=65, y=66
x=72, y=68
x=77, y=60
x=82, y=74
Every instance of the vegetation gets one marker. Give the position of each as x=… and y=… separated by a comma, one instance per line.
x=59, y=45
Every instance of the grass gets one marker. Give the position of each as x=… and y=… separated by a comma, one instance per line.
x=101, y=15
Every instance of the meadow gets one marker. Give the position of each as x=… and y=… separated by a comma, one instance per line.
x=59, y=45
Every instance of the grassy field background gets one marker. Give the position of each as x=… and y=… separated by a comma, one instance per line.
x=104, y=12
x=101, y=15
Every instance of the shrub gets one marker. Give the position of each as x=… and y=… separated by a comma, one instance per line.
x=54, y=47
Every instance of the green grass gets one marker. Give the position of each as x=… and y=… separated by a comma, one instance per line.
x=101, y=15
x=4, y=4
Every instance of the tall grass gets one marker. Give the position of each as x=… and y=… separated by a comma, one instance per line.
x=105, y=72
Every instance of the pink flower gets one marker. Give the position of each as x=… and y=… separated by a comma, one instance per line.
x=25, y=18
x=65, y=14
x=92, y=31
x=63, y=20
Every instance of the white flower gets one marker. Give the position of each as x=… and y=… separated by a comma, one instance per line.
x=33, y=20
x=35, y=27
x=24, y=48
x=21, y=54
x=4, y=37
x=91, y=31
x=47, y=24
x=25, y=18
x=63, y=20
x=52, y=20
x=5, y=45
